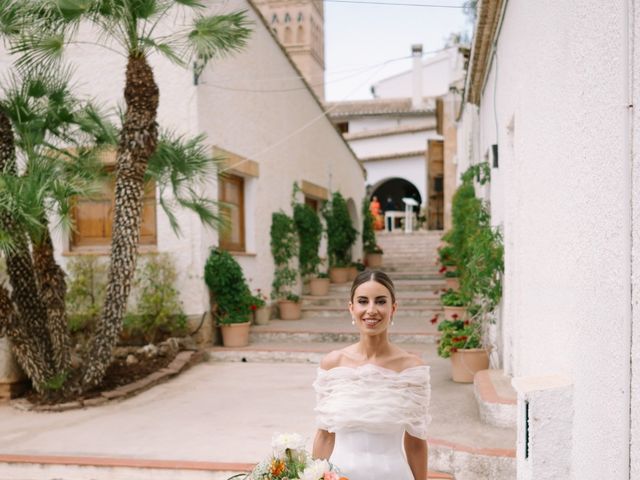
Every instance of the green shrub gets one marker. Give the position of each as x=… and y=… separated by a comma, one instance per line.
x=452, y=299
x=284, y=243
x=369, y=244
x=458, y=335
x=309, y=230
x=340, y=232
x=224, y=277
x=158, y=310
x=86, y=285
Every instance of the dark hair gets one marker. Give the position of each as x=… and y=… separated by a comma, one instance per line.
x=374, y=276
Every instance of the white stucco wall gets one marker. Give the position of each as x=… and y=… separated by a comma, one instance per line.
x=392, y=144
x=563, y=194
x=285, y=132
x=382, y=122
x=413, y=169
x=438, y=71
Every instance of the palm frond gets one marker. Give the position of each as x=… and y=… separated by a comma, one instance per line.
x=181, y=167
x=11, y=20
x=165, y=49
x=217, y=36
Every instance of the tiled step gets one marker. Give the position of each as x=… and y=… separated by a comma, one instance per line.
x=430, y=301
x=401, y=285
x=309, y=352
x=425, y=312
x=497, y=399
x=302, y=338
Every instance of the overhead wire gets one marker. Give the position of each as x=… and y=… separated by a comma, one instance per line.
x=325, y=113
x=399, y=4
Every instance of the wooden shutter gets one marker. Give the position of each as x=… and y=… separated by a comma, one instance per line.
x=93, y=217
x=231, y=194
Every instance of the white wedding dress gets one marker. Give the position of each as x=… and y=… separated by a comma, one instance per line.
x=369, y=408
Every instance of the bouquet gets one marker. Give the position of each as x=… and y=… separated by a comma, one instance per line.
x=290, y=461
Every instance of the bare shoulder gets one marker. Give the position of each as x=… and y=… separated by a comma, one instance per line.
x=411, y=360
x=403, y=360
x=332, y=359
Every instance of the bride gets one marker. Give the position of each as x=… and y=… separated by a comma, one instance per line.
x=373, y=397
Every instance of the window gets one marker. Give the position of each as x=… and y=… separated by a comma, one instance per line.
x=231, y=193
x=93, y=217
x=274, y=18
x=288, y=35
x=300, y=17
x=287, y=18
x=300, y=35
x=312, y=202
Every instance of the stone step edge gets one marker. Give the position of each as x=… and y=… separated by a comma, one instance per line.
x=182, y=361
x=115, y=462
x=494, y=409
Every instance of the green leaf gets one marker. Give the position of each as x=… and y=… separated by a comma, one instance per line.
x=215, y=36
x=73, y=9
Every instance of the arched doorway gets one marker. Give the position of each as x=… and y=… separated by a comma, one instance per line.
x=390, y=193
x=395, y=189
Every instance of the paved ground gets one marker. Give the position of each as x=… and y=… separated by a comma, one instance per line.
x=224, y=412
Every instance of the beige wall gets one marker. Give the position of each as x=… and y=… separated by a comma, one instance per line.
x=450, y=106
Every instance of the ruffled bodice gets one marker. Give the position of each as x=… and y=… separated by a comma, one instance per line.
x=373, y=399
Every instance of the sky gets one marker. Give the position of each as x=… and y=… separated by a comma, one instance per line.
x=361, y=37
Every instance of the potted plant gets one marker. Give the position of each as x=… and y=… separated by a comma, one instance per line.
x=462, y=342
x=340, y=238
x=453, y=304
x=284, y=243
x=319, y=284
x=261, y=311
x=309, y=228
x=373, y=252
x=231, y=297
x=452, y=279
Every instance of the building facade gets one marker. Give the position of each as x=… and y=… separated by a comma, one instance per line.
x=551, y=103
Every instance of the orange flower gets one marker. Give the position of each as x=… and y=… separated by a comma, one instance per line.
x=277, y=467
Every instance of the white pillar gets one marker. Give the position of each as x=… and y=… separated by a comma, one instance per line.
x=416, y=91
x=545, y=424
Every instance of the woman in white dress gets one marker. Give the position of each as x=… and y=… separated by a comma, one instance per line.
x=373, y=397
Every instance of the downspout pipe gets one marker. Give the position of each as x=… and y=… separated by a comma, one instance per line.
x=629, y=84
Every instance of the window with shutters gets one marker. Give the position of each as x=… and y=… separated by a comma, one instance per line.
x=93, y=218
x=231, y=196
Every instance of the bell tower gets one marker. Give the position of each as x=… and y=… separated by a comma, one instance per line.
x=299, y=27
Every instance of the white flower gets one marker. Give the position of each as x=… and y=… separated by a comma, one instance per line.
x=315, y=470
x=283, y=441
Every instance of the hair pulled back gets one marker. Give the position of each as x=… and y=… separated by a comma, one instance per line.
x=374, y=276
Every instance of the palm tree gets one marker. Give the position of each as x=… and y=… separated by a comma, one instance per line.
x=37, y=182
x=131, y=25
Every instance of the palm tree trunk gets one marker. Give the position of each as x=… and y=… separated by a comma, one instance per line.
x=53, y=289
x=137, y=143
x=26, y=324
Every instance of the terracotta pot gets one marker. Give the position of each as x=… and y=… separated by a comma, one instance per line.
x=449, y=312
x=289, y=310
x=374, y=260
x=453, y=283
x=319, y=287
x=235, y=334
x=466, y=363
x=451, y=268
x=339, y=274
x=261, y=316
x=352, y=273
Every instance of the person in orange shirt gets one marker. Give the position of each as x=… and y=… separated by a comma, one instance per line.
x=376, y=211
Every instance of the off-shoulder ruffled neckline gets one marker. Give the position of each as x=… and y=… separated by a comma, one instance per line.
x=373, y=365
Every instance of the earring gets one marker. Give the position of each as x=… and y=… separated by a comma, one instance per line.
x=353, y=321
x=391, y=320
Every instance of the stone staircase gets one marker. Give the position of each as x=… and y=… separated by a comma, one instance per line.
x=461, y=444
